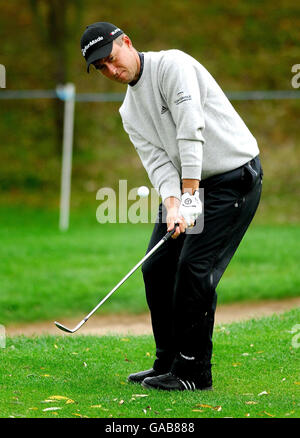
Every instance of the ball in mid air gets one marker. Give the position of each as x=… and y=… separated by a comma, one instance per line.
x=143, y=191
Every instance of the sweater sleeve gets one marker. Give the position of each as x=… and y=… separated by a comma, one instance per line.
x=161, y=171
x=185, y=96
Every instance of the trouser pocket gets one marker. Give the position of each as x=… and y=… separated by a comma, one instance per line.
x=251, y=172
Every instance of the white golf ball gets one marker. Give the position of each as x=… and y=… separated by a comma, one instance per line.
x=143, y=191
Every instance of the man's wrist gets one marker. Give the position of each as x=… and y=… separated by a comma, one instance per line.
x=172, y=202
x=190, y=185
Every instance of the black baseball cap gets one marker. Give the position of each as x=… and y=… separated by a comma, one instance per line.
x=97, y=41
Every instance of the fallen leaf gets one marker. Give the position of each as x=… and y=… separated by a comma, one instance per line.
x=236, y=364
x=267, y=413
x=46, y=375
x=84, y=364
x=69, y=401
x=96, y=406
x=251, y=403
x=80, y=415
x=51, y=409
x=125, y=339
x=263, y=393
x=224, y=330
x=33, y=409
x=289, y=413
x=55, y=346
x=197, y=410
x=58, y=397
x=121, y=402
x=216, y=408
x=296, y=383
x=145, y=411
x=140, y=395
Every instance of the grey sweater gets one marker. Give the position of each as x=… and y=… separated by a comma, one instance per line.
x=182, y=124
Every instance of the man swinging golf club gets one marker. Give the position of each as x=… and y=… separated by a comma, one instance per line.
x=188, y=137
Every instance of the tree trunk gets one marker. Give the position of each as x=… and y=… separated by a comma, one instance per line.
x=53, y=24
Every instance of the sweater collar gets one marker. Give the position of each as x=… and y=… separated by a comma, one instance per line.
x=141, y=56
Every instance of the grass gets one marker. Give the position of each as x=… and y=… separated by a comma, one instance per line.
x=256, y=375
x=46, y=274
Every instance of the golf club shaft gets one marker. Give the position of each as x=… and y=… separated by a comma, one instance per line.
x=155, y=248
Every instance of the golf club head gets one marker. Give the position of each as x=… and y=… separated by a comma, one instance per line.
x=66, y=329
x=63, y=328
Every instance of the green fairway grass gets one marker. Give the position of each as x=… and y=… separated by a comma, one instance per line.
x=255, y=372
x=46, y=274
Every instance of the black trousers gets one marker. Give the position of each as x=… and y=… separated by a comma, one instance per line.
x=182, y=276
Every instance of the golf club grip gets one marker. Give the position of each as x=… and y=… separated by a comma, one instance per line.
x=170, y=233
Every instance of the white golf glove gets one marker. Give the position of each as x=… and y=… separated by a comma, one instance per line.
x=190, y=207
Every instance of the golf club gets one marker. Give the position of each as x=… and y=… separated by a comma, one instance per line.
x=155, y=248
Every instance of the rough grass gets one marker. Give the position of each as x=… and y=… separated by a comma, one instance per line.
x=46, y=274
x=256, y=375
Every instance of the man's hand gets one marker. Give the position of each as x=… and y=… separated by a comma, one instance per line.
x=172, y=205
x=190, y=207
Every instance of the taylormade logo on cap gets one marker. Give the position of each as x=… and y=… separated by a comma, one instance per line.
x=114, y=31
x=91, y=43
x=97, y=41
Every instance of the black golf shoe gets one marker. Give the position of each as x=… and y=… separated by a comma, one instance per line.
x=170, y=382
x=139, y=377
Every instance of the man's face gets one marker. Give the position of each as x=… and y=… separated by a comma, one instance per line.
x=122, y=65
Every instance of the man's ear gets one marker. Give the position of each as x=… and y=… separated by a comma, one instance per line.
x=127, y=41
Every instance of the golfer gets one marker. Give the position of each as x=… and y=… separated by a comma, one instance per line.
x=191, y=141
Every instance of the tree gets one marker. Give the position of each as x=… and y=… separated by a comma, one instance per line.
x=57, y=21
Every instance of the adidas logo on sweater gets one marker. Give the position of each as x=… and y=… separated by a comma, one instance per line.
x=164, y=109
